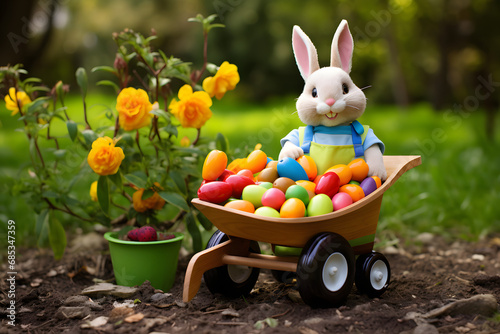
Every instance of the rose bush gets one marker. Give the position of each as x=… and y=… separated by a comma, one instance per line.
x=132, y=168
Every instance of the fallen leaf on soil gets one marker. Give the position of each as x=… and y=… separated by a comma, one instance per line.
x=126, y=303
x=267, y=321
x=119, y=313
x=97, y=322
x=109, y=289
x=134, y=318
x=36, y=282
x=230, y=312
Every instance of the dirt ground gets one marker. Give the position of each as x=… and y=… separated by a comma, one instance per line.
x=426, y=275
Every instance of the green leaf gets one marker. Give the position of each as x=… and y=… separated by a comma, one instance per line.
x=90, y=136
x=174, y=199
x=138, y=179
x=194, y=231
x=81, y=79
x=104, y=69
x=221, y=142
x=271, y=322
x=147, y=194
x=72, y=129
x=33, y=106
x=42, y=228
x=108, y=83
x=57, y=238
x=160, y=113
x=179, y=181
x=103, y=193
x=207, y=224
x=60, y=153
x=117, y=180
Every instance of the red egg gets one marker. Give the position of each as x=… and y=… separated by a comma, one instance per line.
x=328, y=184
x=273, y=198
x=225, y=174
x=238, y=183
x=215, y=192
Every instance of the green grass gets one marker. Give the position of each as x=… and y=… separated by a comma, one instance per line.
x=453, y=193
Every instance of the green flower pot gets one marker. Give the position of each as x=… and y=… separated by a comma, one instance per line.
x=135, y=262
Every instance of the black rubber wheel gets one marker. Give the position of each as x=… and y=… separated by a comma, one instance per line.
x=281, y=276
x=231, y=280
x=373, y=274
x=325, y=272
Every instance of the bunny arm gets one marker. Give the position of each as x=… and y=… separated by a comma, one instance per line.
x=290, y=150
x=374, y=159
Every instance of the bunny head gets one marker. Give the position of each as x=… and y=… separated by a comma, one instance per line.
x=329, y=97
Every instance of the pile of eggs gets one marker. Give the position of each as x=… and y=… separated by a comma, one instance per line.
x=283, y=189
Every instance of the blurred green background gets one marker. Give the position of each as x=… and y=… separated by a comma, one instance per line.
x=432, y=66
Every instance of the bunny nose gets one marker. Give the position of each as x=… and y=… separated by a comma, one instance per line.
x=330, y=102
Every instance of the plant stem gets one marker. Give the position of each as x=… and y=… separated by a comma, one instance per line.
x=197, y=137
x=66, y=210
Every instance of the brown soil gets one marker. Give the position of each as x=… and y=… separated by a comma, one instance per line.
x=423, y=278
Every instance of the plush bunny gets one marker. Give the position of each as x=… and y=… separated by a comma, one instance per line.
x=329, y=106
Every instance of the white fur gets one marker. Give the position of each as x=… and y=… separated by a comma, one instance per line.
x=329, y=81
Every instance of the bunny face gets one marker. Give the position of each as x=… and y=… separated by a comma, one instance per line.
x=330, y=98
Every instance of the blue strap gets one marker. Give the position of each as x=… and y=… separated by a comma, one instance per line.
x=357, y=142
x=308, y=136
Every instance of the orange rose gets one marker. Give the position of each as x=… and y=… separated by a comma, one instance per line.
x=15, y=100
x=154, y=202
x=133, y=109
x=93, y=191
x=104, y=158
x=193, y=109
x=225, y=79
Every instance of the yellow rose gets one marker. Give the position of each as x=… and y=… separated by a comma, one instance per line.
x=104, y=158
x=192, y=109
x=225, y=79
x=154, y=202
x=133, y=109
x=185, y=142
x=93, y=191
x=16, y=100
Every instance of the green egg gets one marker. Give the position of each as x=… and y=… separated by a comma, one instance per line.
x=267, y=211
x=253, y=193
x=319, y=205
x=296, y=191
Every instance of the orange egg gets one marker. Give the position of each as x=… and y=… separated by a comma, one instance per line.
x=241, y=205
x=353, y=190
x=344, y=173
x=237, y=164
x=246, y=172
x=272, y=164
x=214, y=165
x=309, y=166
x=359, y=169
x=293, y=208
x=377, y=180
x=317, y=178
x=256, y=161
x=307, y=184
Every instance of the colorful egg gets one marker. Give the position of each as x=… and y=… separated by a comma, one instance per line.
x=253, y=193
x=353, y=190
x=309, y=185
x=241, y=205
x=328, y=184
x=267, y=185
x=309, y=166
x=290, y=168
x=215, y=192
x=299, y=192
x=319, y=205
x=293, y=208
x=343, y=171
x=354, y=182
x=214, y=165
x=238, y=183
x=377, y=179
x=246, y=172
x=225, y=174
x=282, y=183
x=341, y=200
x=273, y=198
x=359, y=169
x=368, y=185
x=256, y=161
x=267, y=175
x=272, y=164
x=267, y=212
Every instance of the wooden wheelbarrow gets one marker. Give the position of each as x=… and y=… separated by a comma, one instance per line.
x=328, y=245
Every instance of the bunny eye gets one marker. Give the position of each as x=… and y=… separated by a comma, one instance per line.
x=345, y=89
x=314, y=92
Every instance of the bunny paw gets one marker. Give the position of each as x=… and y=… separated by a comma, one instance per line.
x=290, y=150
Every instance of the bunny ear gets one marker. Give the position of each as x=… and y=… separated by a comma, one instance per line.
x=305, y=53
x=342, y=47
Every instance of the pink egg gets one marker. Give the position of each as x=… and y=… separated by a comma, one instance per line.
x=341, y=200
x=273, y=198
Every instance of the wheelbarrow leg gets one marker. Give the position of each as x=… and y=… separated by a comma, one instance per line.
x=208, y=259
